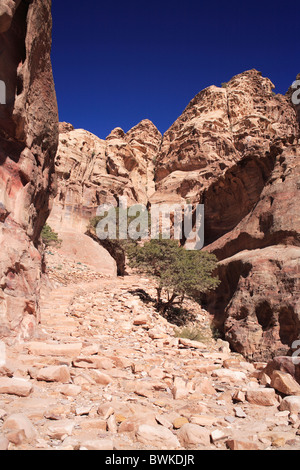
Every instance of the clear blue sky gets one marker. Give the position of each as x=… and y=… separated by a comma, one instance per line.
x=118, y=62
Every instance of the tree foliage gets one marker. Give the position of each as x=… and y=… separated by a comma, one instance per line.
x=49, y=237
x=178, y=272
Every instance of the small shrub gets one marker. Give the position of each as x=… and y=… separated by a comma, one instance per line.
x=215, y=332
x=192, y=333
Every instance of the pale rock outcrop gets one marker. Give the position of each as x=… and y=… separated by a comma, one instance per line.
x=157, y=436
x=15, y=386
x=82, y=249
x=219, y=128
x=19, y=422
x=92, y=171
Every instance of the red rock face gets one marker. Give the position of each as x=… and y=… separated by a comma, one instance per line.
x=28, y=143
x=236, y=150
x=257, y=303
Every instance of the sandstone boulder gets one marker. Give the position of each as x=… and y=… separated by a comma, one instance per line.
x=191, y=435
x=157, y=437
x=291, y=404
x=284, y=383
x=15, y=386
x=83, y=249
x=20, y=422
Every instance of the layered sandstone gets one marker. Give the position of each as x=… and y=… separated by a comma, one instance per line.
x=236, y=150
x=92, y=171
x=28, y=143
x=220, y=127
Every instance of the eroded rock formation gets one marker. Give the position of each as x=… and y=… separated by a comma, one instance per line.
x=234, y=149
x=28, y=144
x=92, y=171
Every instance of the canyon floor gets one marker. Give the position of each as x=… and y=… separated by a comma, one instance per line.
x=107, y=372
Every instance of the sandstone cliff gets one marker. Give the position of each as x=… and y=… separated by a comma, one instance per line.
x=28, y=144
x=93, y=171
x=234, y=149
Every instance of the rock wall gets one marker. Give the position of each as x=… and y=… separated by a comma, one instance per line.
x=267, y=240
x=234, y=149
x=93, y=171
x=28, y=144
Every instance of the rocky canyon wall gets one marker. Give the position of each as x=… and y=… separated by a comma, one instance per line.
x=92, y=171
x=234, y=149
x=28, y=144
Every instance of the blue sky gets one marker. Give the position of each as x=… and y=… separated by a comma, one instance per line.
x=116, y=63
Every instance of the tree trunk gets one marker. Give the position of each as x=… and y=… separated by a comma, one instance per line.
x=168, y=304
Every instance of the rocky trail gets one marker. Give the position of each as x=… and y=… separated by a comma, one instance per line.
x=108, y=373
x=90, y=364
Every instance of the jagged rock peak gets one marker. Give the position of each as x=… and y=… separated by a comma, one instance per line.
x=116, y=133
x=65, y=127
x=252, y=78
x=255, y=78
x=222, y=125
x=145, y=125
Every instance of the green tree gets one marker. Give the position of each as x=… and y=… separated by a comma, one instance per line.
x=177, y=271
x=49, y=237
